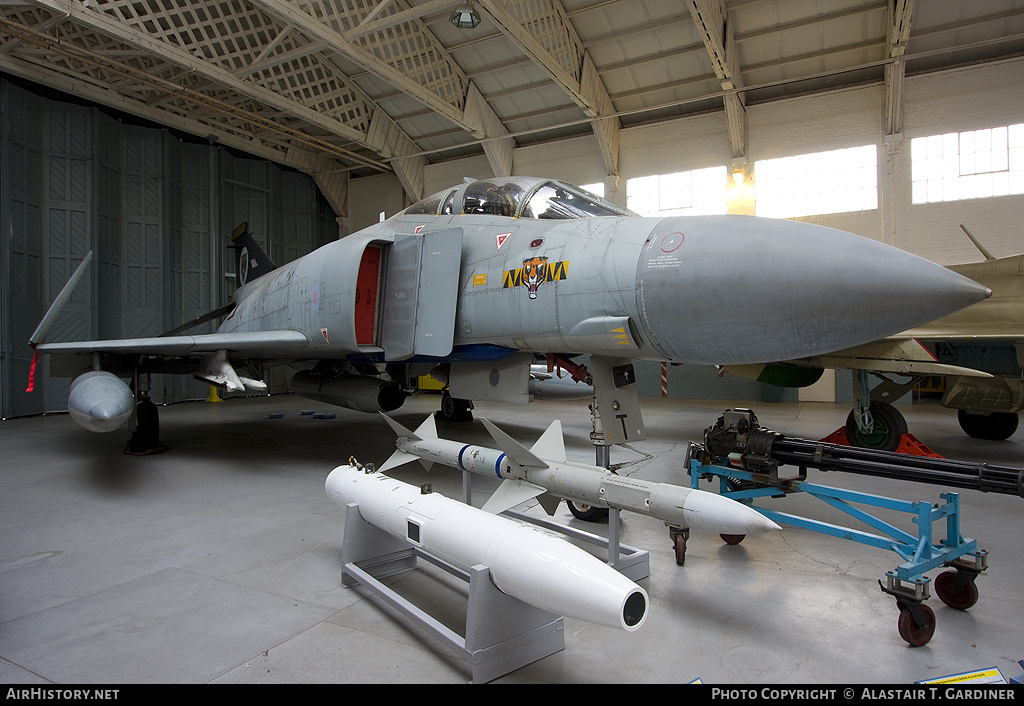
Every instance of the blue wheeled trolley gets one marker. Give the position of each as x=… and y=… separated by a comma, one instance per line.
x=746, y=458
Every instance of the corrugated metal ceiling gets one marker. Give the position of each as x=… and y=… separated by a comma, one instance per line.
x=362, y=86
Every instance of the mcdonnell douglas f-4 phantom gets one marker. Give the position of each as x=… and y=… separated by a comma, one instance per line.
x=474, y=282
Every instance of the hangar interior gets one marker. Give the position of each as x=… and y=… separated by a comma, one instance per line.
x=146, y=131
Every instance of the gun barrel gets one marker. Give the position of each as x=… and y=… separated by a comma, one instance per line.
x=921, y=469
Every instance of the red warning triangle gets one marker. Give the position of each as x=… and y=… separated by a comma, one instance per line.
x=500, y=239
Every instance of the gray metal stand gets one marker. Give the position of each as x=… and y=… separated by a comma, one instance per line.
x=502, y=633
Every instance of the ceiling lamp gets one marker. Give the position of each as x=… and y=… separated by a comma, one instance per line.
x=739, y=170
x=465, y=16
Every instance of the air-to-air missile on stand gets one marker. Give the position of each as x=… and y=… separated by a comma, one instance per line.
x=543, y=472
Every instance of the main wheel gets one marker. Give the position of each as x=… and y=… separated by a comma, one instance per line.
x=732, y=538
x=587, y=513
x=998, y=426
x=889, y=426
x=455, y=410
x=913, y=632
x=955, y=589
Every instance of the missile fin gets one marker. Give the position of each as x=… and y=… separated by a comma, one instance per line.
x=400, y=430
x=549, y=502
x=516, y=452
x=550, y=444
x=398, y=458
x=510, y=493
x=428, y=430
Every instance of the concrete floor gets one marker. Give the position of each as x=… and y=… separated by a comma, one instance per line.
x=219, y=561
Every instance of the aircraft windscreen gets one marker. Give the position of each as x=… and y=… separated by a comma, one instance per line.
x=554, y=200
x=519, y=196
x=492, y=198
x=430, y=204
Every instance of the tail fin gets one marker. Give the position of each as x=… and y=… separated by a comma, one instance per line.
x=425, y=430
x=252, y=261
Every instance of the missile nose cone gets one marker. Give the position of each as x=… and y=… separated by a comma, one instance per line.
x=763, y=524
x=741, y=289
x=714, y=513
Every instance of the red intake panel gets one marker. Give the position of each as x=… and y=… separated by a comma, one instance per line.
x=366, y=296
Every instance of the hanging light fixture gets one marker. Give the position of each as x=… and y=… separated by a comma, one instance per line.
x=465, y=16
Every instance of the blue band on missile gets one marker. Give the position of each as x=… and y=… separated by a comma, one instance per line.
x=497, y=465
x=459, y=459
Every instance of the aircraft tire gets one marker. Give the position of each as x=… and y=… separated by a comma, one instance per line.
x=889, y=428
x=455, y=410
x=998, y=426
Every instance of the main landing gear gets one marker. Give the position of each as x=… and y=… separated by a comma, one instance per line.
x=145, y=440
x=454, y=410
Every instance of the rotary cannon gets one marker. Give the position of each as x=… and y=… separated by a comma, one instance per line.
x=746, y=458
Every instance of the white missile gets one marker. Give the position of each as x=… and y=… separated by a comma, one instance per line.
x=537, y=568
x=544, y=471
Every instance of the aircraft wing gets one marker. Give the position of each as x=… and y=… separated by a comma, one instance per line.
x=900, y=355
x=258, y=344
x=74, y=355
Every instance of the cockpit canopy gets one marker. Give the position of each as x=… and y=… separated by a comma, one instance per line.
x=518, y=197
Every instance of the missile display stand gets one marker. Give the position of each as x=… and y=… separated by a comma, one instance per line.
x=746, y=465
x=631, y=562
x=502, y=632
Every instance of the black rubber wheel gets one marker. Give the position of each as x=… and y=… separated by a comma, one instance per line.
x=911, y=631
x=998, y=426
x=732, y=538
x=955, y=589
x=455, y=410
x=889, y=428
x=587, y=513
x=145, y=439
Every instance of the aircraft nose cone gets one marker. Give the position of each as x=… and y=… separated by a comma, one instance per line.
x=739, y=289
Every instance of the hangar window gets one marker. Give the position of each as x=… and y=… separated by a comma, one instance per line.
x=974, y=164
x=837, y=181
x=698, y=192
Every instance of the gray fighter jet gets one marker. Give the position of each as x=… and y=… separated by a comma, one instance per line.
x=473, y=283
